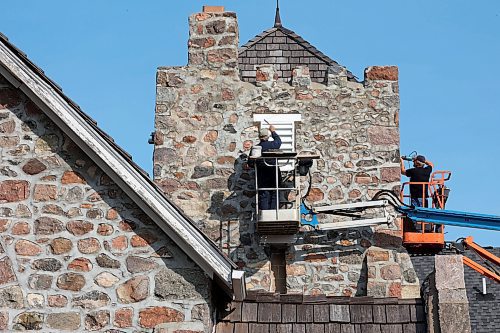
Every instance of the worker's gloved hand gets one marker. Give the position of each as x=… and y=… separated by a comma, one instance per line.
x=272, y=128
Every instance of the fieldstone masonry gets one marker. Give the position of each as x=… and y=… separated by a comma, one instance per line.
x=448, y=302
x=204, y=127
x=76, y=254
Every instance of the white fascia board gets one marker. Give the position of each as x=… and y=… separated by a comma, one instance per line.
x=186, y=236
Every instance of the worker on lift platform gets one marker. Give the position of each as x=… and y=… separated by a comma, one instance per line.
x=266, y=174
x=420, y=173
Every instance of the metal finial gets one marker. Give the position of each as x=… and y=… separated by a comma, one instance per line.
x=277, y=18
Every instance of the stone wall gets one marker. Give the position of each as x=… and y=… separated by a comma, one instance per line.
x=204, y=127
x=75, y=252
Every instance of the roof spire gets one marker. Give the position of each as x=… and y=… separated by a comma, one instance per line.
x=277, y=18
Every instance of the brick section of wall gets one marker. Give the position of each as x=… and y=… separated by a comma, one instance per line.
x=75, y=252
x=293, y=313
x=204, y=127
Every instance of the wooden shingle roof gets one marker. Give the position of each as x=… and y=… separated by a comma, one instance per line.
x=286, y=50
x=299, y=313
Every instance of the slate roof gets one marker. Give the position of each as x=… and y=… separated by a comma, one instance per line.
x=296, y=313
x=197, y=236
x=483, y=309
x=285, y=50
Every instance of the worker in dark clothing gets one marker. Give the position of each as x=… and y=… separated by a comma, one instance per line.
x=266, y=171
x=420, y=172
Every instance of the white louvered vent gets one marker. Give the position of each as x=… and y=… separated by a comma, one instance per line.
x=285, y=127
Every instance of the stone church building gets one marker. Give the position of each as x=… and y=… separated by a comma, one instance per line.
x=90, y=242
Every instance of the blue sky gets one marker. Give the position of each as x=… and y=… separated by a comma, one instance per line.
x=105, y=53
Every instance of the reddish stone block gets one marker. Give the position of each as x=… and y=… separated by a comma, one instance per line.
x=316, y=194
x=354, y=194
x=80, y=264
x=4, y=225
x=152, y=316
x=6, y=272
x=395, y=290
x=363, y=178
x=21, y=228
x=61, y=245
x=123, y=317
x=391, y=272
x=226, y=160
x=105, y=229
x=221, y=55
x=95, y=213
x=201, y=42
x=227, y=95
x=211, y=136
x=43, y=192
x=111, y=214
x=388, y=238
x=303, y=96
x=89, y=245
x=315, y=257
x=79, y=227
x=8, y=141
x=169, y=185
x=72, y=177
x=48, y=226
x=4, y=320
x=97, y=320
x=34, y=167
x=380, y=135
x=189, y=139
x=389, y=175
x=71, y=281
x=57, y=301
x=26, y=248
x=119, y=243
x=388, y=73
x=14, y=190
x=126, y=226
x=376, y=255
x=134, y=290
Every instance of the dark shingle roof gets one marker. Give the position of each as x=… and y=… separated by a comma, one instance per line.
x=483, y=309
x=286, y=50
x=300, y=313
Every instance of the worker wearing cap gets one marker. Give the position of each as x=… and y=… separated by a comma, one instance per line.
x=266, y=175
x=420, y=172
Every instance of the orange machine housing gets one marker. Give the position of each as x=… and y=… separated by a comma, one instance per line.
x=423, y=237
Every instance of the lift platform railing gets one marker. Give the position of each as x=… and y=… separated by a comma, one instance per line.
x=434, y=191
x=281, y=192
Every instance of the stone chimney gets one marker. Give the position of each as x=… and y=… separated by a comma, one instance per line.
x=213, y=40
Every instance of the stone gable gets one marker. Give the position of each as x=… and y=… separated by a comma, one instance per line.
x=76, y=253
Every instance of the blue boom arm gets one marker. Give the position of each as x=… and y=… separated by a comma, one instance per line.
x=451, y=217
